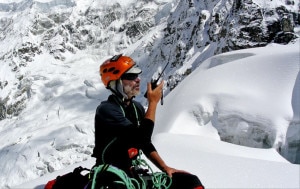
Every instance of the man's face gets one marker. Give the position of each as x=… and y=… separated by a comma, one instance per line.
x=131, y=85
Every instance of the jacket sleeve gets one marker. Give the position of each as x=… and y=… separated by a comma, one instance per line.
x=147, y=146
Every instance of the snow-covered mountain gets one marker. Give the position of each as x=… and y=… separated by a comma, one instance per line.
x=230, y=95
x=51, y=50
x=174, y=32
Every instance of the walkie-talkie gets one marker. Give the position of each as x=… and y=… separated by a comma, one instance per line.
x=154, y=85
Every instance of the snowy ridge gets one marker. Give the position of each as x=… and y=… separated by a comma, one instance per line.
x=186, y=131
x=50, y=84
x=43, y=5
x=231, y=113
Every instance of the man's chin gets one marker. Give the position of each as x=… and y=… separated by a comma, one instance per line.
x=133, y=94
x=137, y=93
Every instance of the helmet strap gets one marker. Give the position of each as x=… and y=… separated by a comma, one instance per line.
x=116, y=90
x=119, y=88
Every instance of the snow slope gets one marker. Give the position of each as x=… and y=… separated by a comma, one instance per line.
x=250, y=97
x=218, y=164
x=242, y=91
x=239, y=92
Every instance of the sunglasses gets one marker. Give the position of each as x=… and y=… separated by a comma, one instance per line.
x=129, y=76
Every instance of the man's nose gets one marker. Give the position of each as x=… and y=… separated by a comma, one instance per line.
x=138, y=79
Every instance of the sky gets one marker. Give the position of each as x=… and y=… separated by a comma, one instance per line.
x=235, y=89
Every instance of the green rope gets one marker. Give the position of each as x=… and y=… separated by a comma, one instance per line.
x=106, y=147
x=136, y=115
x=125, y=180
x=160, y=180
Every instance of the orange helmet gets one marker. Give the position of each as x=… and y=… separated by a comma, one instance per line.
x=114, y=68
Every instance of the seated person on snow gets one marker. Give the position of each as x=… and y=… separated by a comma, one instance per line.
x=121, y=123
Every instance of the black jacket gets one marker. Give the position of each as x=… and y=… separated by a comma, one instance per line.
x=118, y=128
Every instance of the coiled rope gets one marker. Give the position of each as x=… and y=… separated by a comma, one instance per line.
x=160, y=180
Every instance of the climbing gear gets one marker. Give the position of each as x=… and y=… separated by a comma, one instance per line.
x=113, y=68
x=140, y=170
x=106, y=175
x=132, y=153
x=109, y=176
